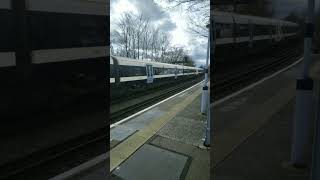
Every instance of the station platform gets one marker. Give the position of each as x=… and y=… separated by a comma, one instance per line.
x=164, y=142
x=252, y=130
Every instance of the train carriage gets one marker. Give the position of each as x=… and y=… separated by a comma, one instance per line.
x=245, y=35
x=130, y=75
x=51, y=53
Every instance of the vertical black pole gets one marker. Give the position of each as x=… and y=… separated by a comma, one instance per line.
x=23, y=59
x=315, y=168
x=304, y=89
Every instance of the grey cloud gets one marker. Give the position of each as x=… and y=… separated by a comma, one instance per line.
x=150, y=9
x=199, y=52
x=167, y=25
x=113, y=2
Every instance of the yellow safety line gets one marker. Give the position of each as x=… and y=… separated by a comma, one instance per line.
x=125, y=149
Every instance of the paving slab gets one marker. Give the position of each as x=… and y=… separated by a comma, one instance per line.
x=152, y=162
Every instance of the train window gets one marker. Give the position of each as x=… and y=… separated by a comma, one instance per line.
x=172, y=70
x=165, y=71
x=112, y=71
x=54, y=31
x=224, y=30
x=284, y=29
x=6, y=30
x=290, y=29
x=274, y=29
x=128, y=71
x=158, y=71
x=218, y=28
x=188, y=71
x=243, y=30
x=261, y=30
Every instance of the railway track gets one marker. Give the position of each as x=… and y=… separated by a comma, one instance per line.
x=224, y=84
x=227, y=84
x=39, y=162
x=125, y=112
x=37, y=165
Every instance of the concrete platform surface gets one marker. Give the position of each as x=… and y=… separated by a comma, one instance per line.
x=165, y=142
x=253, y=130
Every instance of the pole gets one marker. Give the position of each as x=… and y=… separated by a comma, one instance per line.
x=303, y=108
x=204, y=98
x=315, y=168
x=211, y=47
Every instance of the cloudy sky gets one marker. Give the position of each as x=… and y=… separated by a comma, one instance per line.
x=284, y=7
x=172, y=21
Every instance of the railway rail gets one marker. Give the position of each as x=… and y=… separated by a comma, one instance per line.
x=227, y=84
x=122, y=113
x=38, y=164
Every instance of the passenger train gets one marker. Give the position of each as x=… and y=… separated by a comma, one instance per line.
x=130, y=75
x=243, y=35
x=52, y=52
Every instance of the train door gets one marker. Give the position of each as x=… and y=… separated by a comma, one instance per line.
x=235, y=33
x=270, y=30
x=278, y=33
x=250, y=33
x=175, y=72
x=149, y=71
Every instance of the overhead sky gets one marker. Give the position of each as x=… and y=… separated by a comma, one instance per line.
x=172, y=21
x=284, y=7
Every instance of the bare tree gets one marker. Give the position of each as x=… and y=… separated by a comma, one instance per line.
x=164, y=44
x=135, y=33
x=123, y=35
x=142, y=26
x=198, y=12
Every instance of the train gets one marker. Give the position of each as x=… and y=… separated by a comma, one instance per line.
x=244, y=35
x=128, y=76
x=52, y=54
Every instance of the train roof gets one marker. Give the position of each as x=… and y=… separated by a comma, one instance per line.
x=135, y=62
x=227, y=17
